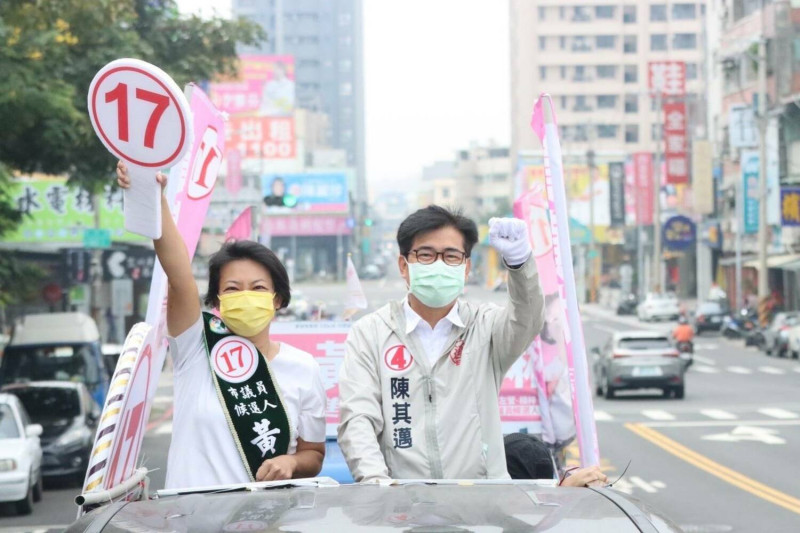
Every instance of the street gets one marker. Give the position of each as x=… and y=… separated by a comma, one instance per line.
x=722, y=459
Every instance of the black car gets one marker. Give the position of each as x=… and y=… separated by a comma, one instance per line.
x=68, y=415
x=709, y=316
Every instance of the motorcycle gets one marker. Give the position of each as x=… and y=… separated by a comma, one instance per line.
x=686, y=352
x=741, y=325
x=627, y=305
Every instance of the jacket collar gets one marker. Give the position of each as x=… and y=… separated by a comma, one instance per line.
x=413, y=319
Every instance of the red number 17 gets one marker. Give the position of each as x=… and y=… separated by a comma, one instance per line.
x=120, y=95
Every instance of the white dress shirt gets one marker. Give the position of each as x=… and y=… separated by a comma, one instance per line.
x=433, y=340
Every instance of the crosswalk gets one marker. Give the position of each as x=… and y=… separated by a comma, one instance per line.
x=741, y=370
x=710, y=414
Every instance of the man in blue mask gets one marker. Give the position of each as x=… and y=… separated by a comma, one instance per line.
x=420, y=379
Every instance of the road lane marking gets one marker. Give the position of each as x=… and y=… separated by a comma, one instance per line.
x=602, y=416
x=164, y=429
x=748, y=433
x=797, y=369
x=739, y=370
x=781, y=414
x=638, y=482
x=712, y=423
x=771, y=370
x=657, y=414
x=704, y=360
x=724, y=473
x=718, y=414
x=705, y=369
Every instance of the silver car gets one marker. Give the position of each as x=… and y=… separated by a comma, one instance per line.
x=638, y=360
x=422, y=506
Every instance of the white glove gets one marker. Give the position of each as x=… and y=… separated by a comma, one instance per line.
x=509, y=236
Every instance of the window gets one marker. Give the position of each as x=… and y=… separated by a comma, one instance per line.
x=691, y=71
x=605, y=42
x=631, y=103
x=542, y=12
x=581, y=44
x=580, y=14
x=543, y=73
x=346, y=89
x=563, y=72
x=658, y=42
x=579, y=133
x=445, y=192
x=658, y=12
x=499, y=178
x=655, y=132
x=562, y=12
x=563, y=102
x=345, y=65
x=580, y=73
x=684, y=11
x=604, y=12
x=562, y=42
x=631, y=74
x=629, y=14
x=607, y=131
x=606, y=72
x=542, y=42
x=630, y=44
x=631, y=133
x=684, y=41
x=580, y=103
x=606, y=101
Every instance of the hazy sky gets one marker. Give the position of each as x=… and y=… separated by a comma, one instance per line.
x=436, y=78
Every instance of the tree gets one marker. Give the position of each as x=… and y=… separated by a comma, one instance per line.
x=49, y=52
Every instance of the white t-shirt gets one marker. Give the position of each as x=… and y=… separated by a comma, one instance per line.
x=203, y=451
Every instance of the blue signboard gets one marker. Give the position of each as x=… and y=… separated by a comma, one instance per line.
x=679, y=233
x=790, y=206
x=306, y=192
x=750, y=170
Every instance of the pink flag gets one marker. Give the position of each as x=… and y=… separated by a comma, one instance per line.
x=233, y=181
x=242, y=227
x=355, y=298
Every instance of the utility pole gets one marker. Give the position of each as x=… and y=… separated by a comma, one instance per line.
x=763, y=274
x=739, y=232
x=657, y=202
x=590, y=163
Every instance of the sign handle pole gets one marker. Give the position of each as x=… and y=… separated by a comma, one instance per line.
x=142, y=202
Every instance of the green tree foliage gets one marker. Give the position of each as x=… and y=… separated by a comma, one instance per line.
x=51, y=49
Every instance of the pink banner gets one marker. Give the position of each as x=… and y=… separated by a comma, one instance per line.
x=242, y=227
x=233, y=181
x=643, y=171
x=266, y=86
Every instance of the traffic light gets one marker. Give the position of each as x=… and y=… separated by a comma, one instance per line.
x=286, y=200
x=368, y=222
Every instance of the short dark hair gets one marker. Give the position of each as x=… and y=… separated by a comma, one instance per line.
x=431, y=218
x=528, y=457
x=236, y=250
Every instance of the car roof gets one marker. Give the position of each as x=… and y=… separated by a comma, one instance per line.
x=45, y=385
x=8, y=398
x=506, y=505
x=639, y=334
x=55, y=328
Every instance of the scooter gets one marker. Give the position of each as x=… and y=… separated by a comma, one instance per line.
x=686, y=352
x=740, y=325
x=628, y=304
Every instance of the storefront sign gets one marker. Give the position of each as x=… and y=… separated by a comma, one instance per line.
x=679, y=233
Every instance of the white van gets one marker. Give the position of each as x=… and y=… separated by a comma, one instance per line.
x=56, y=347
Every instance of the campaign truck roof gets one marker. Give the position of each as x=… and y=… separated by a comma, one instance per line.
x=55, y=328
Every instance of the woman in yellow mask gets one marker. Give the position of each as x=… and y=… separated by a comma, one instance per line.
x=246, y=408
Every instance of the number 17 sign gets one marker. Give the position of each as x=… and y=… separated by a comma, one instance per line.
x=143, y=118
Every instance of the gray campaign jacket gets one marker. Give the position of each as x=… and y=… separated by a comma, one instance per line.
x=403, y=419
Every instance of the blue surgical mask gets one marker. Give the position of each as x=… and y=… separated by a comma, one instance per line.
x=438, y=284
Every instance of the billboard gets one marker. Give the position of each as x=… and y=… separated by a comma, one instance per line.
x=320, y=192
x=255, y=137
x=677, y=162
x=667, y=77
x=265, y=87
x=55, y=212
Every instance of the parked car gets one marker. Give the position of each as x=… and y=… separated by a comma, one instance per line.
x=20, y=456
x=709, y=316
x=59, y=347
x=638, y=360
x=371, y=271
x=299, y=308
x=68, y=415
x=776, y=336
x=299, y=505
x=659, y=306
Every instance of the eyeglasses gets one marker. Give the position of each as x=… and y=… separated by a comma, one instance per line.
x=427, y=256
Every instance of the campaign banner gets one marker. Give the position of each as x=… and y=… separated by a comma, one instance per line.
x=261, y=137
x=320, y=192
x=266, y=86
x=667, y=78
x=518, y=404
x=543, y=123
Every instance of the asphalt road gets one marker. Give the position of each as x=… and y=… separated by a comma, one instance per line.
x=725, y=458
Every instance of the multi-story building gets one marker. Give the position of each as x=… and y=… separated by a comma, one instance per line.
x=326, y=39
x=592, y=57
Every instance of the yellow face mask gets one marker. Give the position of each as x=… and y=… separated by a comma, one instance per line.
x=247, y=313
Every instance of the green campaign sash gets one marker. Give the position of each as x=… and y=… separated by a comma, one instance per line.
x=250, y=396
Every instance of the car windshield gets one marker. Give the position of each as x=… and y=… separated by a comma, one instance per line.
x=72, y=362
x=8, y=426
x=47, y=403
x=709, y=309
x=644, y=343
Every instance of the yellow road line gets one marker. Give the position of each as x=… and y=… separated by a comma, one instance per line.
x=712, y=467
